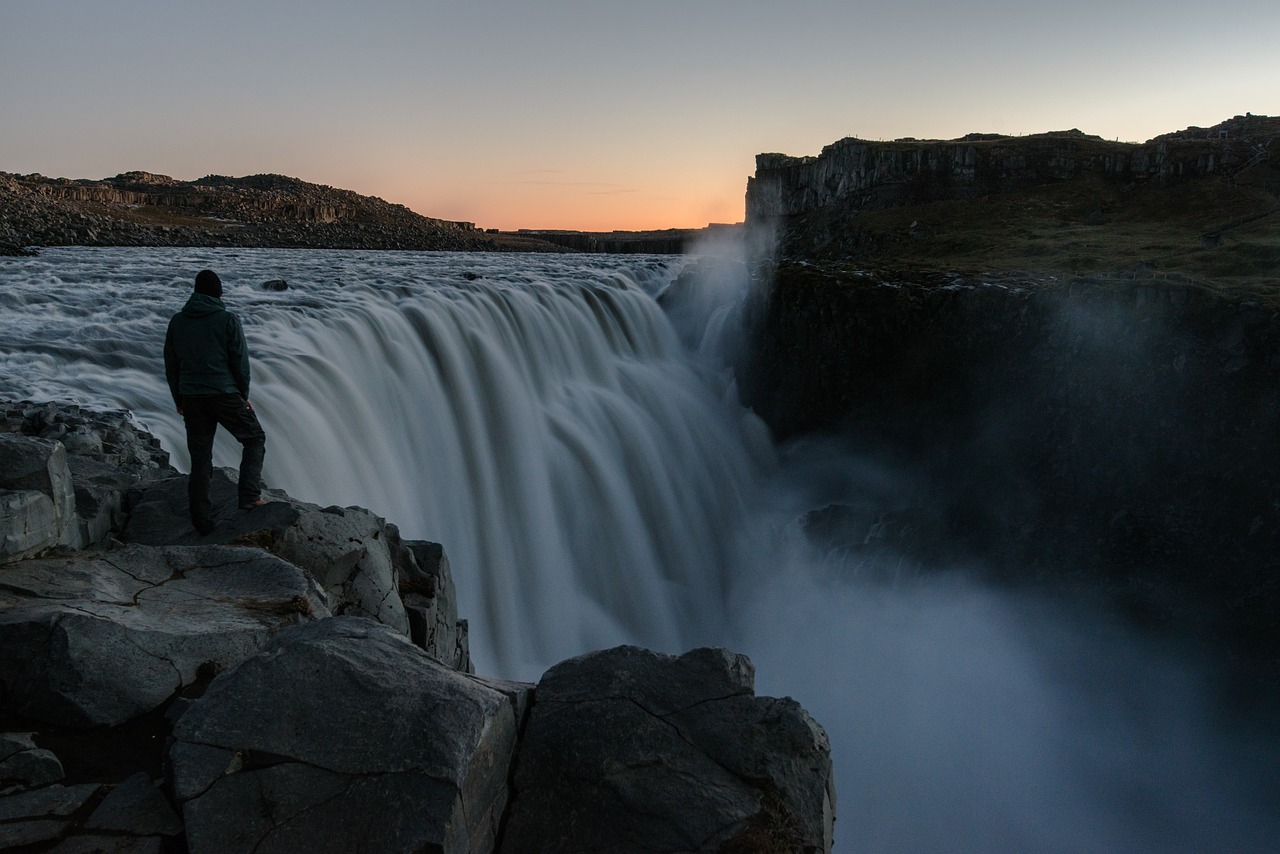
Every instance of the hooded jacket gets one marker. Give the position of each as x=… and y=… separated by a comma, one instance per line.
x=205, y=352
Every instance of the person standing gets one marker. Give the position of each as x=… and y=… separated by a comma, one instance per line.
x=206, y=362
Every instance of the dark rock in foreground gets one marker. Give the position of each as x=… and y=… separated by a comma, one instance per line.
x=631, y=750
x=284, y=728
x=96, y=639
x=343, y=736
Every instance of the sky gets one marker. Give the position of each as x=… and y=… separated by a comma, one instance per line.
x=593, y=115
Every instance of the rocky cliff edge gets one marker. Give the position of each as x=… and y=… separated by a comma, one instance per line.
x=299, y=680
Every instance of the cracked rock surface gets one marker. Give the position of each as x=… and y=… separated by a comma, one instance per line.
x=345, y=548
x=341, y=735
x=340, y=715
x=97, y=638
x=632, y=750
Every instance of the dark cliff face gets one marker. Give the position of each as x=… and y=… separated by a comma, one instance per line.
x=858, y=174
x=1116, y=437
x=1200, y=202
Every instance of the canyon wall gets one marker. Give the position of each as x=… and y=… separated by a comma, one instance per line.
x=1112, y=437
x=855, y=174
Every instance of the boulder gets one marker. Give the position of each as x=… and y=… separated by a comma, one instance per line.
x=98, y=638
x=28, y=524
x=136, y=807
x=23, y=765
x=109, y=845
x=84, y=500
x=632, y=750
x=431, y=602
x=32, y=467
x=346, y=549
x=342, y=735
x=110, y=435
x=42, y=815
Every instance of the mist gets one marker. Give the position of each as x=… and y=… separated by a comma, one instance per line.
x=971, y=706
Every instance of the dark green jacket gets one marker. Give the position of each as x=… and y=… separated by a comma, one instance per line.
x=205, y=352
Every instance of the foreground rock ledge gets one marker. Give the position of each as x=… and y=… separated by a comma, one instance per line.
x=342, y=736
x=341, y=714
x=631, y=750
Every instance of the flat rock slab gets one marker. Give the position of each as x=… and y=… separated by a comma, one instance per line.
x=98, y=638
x=345, y=548
x=42, y=815
x=338, y=736
x=109, y=845
x=632, y=750
x=137, y=807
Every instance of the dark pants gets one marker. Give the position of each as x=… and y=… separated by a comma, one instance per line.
x=202, y=416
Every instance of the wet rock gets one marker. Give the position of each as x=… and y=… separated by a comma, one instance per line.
x=342, y=735
x=97, y=638
x=632, y=750
x=275, y=285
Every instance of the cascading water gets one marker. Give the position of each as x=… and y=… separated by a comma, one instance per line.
x=594, y=483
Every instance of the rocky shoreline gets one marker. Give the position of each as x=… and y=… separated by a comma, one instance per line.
x=300, y=680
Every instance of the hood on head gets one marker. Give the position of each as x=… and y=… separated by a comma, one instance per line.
x=201, y=304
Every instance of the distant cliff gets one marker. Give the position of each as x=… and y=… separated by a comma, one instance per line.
x=1064, y=201
x=143, y=209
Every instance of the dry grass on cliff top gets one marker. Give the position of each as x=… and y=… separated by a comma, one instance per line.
x=1221, y=234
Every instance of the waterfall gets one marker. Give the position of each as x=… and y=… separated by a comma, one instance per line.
x=550, y=436
x=544, y=425
x=581, y=456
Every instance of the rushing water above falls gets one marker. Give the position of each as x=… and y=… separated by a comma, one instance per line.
x=595, y=483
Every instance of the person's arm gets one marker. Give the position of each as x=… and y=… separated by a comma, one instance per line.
x=238, y=357
x=172, y=368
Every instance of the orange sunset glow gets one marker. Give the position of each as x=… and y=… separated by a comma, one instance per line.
x=571, y=115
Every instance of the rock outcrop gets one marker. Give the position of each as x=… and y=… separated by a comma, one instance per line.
x=64, y=474
x=631, y=750
x=98, y=638
x=299, y=680
x=855, y=174
x=338, y=736
x=348, y=550
x=1200, y=204
x=37, y=501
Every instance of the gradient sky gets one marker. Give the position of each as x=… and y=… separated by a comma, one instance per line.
x=593, y=115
